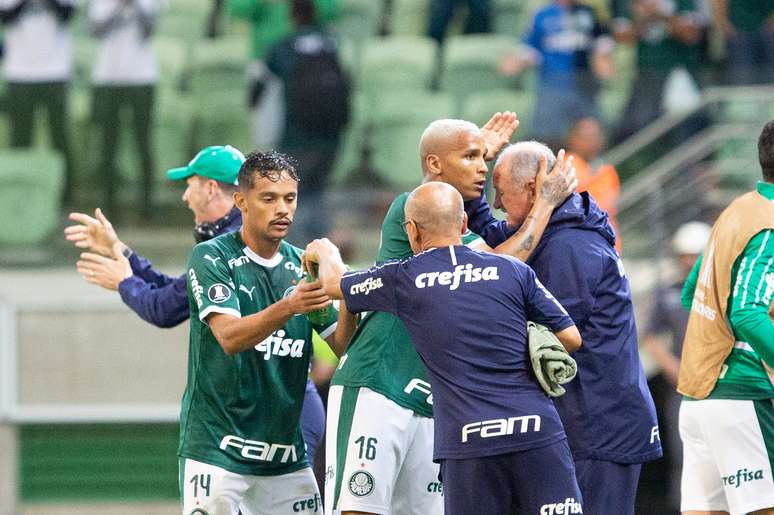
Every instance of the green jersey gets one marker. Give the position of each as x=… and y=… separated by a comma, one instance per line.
x=241, y=412
x=381, y=355
x=743, y=376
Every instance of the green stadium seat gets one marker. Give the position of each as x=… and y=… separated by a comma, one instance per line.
x=173, y=56
x=394, y=64
x=513, y=17
x=31, y=185
x=398, y=123
x=218, y=66
x=350, y=151
x=224, y=120
x=470, y=64
x=184, y=19
x=479, y=107
x=357, y=19
x=612, y=102
x=409, y=17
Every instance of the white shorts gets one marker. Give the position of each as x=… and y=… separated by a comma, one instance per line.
x=211, y=490
x=379, y=456
x=728, y=449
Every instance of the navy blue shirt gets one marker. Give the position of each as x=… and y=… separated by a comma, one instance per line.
x=608, y=411
x=466, y=312
x=160, y=299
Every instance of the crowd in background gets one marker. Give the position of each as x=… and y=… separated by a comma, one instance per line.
x=299, y=97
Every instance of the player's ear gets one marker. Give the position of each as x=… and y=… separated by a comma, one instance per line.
x=464, y=227
x=240, y=201
x=433, y=164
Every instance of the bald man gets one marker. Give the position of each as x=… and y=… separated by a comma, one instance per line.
x=380, y=405
x=608, y=411
x=498, y=437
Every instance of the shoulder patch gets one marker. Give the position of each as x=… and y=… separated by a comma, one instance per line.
x=218, y=293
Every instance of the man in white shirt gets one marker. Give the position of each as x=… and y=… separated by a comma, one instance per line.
x=37, y=66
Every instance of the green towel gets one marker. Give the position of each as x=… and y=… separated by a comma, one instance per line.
x=552, y=364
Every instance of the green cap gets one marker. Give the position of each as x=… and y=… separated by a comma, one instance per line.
x=218, y=162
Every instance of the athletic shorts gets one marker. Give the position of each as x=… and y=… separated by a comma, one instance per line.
x=536, y=481
x=608, y=487
x=379, y=456
x=210, y=490
x=728, y=448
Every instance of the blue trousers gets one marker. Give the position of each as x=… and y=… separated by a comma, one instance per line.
x=312, y=419
x=608, y=488
x=535, y=481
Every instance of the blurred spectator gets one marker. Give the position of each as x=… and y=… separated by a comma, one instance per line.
x=37, y=66
x=442, y=13
x=317, y=104
x=585, y=143
x=270, y=20
x=572, y=50
x=748, y=28
x=124, y=78
x=666, y=33
x=664, y=341
x=213, y=20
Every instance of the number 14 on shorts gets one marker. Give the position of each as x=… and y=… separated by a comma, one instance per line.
x=201, y=482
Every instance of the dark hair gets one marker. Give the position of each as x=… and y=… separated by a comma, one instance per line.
x=268, y=165
x=766, y=151
x=303, y=12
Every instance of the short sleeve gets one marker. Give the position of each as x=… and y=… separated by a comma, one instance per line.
x=372, y=289
x=542, y=307
x=210, y=284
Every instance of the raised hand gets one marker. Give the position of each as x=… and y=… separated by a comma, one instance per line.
x=497, y=132
x=556, y=184
x=94, y=234
x=104, y=271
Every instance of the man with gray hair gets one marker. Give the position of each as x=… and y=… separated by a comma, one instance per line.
x=498, y=437
x=608, y=412
x=380, y=405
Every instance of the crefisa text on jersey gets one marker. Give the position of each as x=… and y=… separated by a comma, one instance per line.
x=462, y=273
x=277, y=345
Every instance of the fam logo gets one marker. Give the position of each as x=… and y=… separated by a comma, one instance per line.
x=567, y=507
x=278, y=345
x=366, y=286
x=313, y=504
x=462, y=273
x=218, y=293
x=501, y=426
x=196, y=288
x=261, y=451
x=743, y=476
x=361, y=483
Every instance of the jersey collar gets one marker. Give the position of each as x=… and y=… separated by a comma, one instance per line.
x=268, y=263
x=766, y=189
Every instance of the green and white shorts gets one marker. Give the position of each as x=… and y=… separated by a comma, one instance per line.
x=210, y=490
x=728, y=455
x=379, y=456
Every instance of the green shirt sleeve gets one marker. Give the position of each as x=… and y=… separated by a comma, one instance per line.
x=394, y=244
x=751, y=296
x=686, y=296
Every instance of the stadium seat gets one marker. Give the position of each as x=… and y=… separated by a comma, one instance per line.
x=394, y=64
x=222, y=120
x=218, y=66
x=479, y=107
x=350, y=151
x=470, y=64
x=184, y=19
x=357, y=19
x=409, y=17
x=398, y=123
x=173, y=56
x=513, y=17
x=31, y=183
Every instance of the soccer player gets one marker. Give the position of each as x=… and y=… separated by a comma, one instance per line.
x=727, y=416
x=380, y=402
x=608, y=411
x=498, y=437
x=240, y=442
x=160, y=299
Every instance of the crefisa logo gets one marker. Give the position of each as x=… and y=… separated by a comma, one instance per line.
x=462, y=273
x=743, y=476
x=567, y=507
